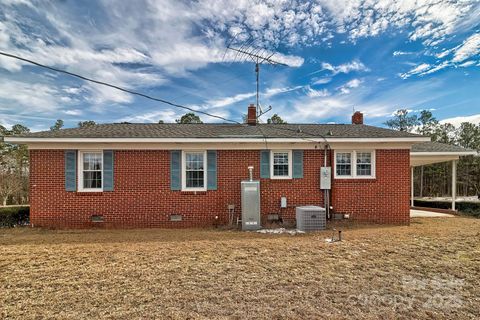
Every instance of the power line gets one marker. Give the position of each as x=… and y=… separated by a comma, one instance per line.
x=243, y=74
x=116, y=87
x=299, y=130
x=153, y=98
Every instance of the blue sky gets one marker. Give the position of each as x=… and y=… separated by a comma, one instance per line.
x=372, y=56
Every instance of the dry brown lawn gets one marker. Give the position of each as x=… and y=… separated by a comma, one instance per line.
x=430, y=269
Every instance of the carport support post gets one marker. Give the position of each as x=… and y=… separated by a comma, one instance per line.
x=421, y=182
x=454, y=183
x=411, y=186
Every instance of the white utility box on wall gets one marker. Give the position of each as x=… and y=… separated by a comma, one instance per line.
x=325, y=178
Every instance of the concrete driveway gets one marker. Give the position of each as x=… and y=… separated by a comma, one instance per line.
x=428, y=214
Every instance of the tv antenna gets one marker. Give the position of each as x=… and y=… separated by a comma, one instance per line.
x=259, y=56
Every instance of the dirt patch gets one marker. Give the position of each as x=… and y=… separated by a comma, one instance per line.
x=427, y=270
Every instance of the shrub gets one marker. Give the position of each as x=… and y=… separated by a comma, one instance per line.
x=14, y=216
x=467, y=208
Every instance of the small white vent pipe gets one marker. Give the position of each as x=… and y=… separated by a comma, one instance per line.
x=250, y=173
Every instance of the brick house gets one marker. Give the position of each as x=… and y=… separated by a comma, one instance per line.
x=142, y=175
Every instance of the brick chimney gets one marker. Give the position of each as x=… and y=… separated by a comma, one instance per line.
x=357, y=118
x=252, y=115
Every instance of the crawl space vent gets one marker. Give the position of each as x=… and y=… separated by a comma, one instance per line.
x=97, y=218
x=175, y=217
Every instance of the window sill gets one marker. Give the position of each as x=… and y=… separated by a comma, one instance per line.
x=90, y=190
x=193, y=192
x=354, y=178
x=89, y=193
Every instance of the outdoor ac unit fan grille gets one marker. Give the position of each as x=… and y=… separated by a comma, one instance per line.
x=311, y=218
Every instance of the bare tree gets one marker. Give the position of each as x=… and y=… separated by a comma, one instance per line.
x=9, y=185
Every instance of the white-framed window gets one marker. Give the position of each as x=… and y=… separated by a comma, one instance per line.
x=281, y=164
x=357, y=164
x=90, y=171
x=194, y=170
x=343, y=165
x=364, y=163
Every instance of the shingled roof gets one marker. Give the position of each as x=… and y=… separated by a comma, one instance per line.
x=437, y=147
x=173, y=130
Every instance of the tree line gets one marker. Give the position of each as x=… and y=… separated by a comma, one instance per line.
x=435, y=179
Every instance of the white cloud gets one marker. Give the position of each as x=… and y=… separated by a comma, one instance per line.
x=443, y=54
x=270, y=92
x=167, y=116
x=354, y=83
x=373, y=102
x=431, y=20
x=322, y=81
x=401, y=53
x=73, y=112
x=421, y=68
x=467, y=64
x=344, y=68
x=17, y=2
x=291, y=61
x=457, y=121
x=72, y=90
x=30, y=97
x=226, y=101
x=469, y=49
x=312, y=93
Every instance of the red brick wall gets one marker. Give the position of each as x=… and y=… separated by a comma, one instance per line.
x=142, y=195
x=384, y=199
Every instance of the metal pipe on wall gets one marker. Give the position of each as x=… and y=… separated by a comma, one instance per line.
x=326, y=199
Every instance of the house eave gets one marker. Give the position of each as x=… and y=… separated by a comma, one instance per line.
x=454, y=153
x=27, y=140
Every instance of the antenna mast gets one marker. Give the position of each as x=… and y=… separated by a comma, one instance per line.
x=259, y=56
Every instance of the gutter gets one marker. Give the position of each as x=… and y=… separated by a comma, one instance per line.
x=449, y=153
x=12, y=139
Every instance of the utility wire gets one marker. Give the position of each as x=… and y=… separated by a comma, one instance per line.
x=116, y=87
x=244, y=74
x=299, y=131
x=153, y=98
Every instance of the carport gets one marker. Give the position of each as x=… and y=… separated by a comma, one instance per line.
x=435, y=152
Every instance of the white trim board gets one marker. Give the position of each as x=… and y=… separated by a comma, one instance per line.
x=439, y=153
x=210, y=140
x=221, y=146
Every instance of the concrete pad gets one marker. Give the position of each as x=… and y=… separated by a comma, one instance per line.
x=429, y=214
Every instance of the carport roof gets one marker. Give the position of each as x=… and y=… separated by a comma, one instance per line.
x=440, y=148
x=435, y=152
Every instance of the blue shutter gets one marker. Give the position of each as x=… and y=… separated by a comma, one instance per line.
x=108, y=170
x=211, y=170
x=297, y=170
x=70, y=170
x=265, y=164
x=175, y=170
